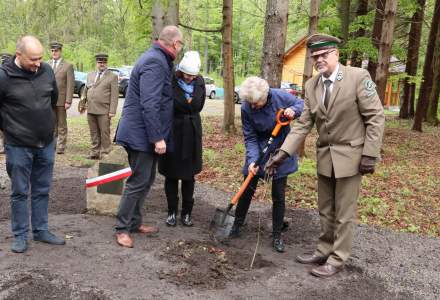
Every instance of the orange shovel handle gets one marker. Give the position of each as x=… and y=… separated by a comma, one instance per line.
x=243, y=187
x=280, y=124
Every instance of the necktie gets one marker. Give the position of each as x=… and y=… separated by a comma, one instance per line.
x=54, y=65
x=98, y=77
x=327, y=83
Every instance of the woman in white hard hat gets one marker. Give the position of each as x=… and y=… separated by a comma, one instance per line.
x=185, y=160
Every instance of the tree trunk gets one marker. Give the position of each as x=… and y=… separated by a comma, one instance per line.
x=313, y=28
x=228, y=69
x=275, y=30
x=344, y=16
x=412, y=60
x=308, y=64
x=376, y=36
x=172, y=15
x=435, y=91
x=164, y=13
x=386, y=42
x=206, y=68
x=362, y=10
x=425, y=89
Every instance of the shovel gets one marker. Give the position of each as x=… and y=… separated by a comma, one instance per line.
x=223, y=219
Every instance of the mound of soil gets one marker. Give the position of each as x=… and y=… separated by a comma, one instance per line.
x=205, y=265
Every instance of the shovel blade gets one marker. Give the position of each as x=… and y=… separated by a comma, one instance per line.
x=221, y=224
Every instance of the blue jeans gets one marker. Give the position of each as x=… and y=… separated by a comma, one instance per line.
x=29, y=169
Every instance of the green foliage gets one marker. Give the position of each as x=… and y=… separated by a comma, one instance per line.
x=118, y=27
x=373, y=206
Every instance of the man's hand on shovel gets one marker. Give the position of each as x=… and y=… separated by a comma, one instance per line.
x=275, y=161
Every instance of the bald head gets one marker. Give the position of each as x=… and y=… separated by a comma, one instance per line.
x=29, y=43
x=169, y=35
x=29, y=53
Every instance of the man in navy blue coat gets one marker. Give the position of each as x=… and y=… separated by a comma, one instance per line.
x=258, y=116
x=144, y=128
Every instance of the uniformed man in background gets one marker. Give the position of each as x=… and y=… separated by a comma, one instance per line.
x=102, y=100
x=66, y=82
x=343, y=104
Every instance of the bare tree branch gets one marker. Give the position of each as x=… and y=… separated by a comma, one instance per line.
x=201, y=30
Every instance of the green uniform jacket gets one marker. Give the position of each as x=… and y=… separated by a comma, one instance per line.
x=102, y=96
x=65, y=81
x=352, y=125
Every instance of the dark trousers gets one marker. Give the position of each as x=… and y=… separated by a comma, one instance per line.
x=30, y=170
x=143, y=167
x=171, y=191
x=278, y=203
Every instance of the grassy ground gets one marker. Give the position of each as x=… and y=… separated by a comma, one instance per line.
x=402, y=195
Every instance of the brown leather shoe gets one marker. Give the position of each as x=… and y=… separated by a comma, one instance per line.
x=326, y=270
x=311, y=259
x=60, y=151
x=124, y=240
x=147, y=229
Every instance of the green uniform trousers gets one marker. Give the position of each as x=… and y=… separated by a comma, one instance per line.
x=99, y=133
x=61, y=127
x=337, y=202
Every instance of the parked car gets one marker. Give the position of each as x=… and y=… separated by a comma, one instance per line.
x=237, y=99
x=292, y=88
x=123, y=78
x=80, y=82
x=210, y=87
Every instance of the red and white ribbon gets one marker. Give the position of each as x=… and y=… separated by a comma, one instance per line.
x=117, y=175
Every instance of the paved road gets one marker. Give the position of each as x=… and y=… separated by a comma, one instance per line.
x=212, y=107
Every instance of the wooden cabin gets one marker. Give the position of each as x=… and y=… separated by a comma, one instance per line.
x=293, y=68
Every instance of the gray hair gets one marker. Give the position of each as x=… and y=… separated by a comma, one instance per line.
x=169, y=34
x=254, y=89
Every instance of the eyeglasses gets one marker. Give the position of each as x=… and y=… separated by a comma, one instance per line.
x=323, y=55
x=181, y=42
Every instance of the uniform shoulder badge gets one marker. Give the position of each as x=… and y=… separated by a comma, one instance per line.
x=370, y=87
x=339, y=76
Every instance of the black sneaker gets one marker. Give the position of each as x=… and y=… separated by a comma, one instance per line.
x=186, y=220
x=171, y=220
x=278, y=244
x=235, y=231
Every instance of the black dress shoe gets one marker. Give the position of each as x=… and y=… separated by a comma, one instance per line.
x=311, y=259
x=186, y=220
x=278, y=245
x=326, y=270
x=171, y=220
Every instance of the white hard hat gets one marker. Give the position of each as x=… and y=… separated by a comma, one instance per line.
x=190, y=63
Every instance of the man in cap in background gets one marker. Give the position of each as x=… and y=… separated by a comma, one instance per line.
x=102, y=95
x=4, y=58
x=343, y=104
x=66, y=83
